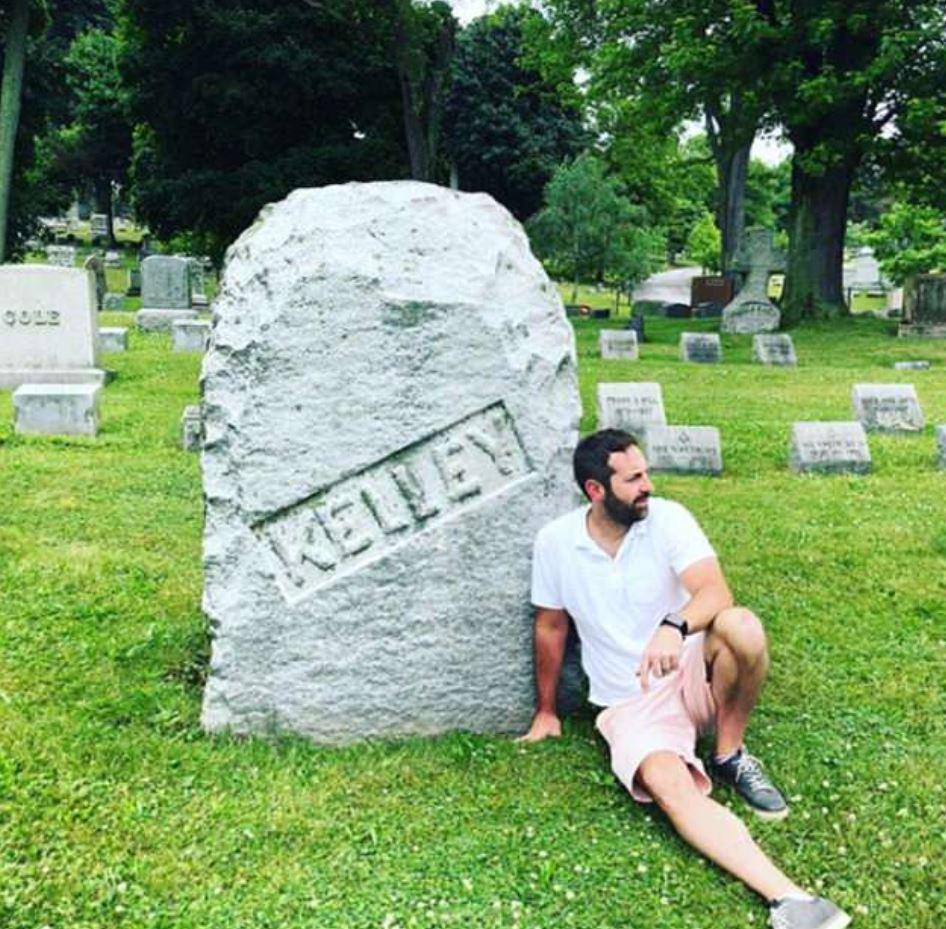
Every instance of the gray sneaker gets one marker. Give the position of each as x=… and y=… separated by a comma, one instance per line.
x=747, y=777
x=816, y=913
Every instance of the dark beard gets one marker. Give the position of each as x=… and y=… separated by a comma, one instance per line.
x=624, y=514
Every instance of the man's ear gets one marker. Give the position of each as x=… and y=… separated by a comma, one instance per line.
x=594, y=490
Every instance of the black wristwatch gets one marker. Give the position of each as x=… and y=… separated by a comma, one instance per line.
x=677, y=622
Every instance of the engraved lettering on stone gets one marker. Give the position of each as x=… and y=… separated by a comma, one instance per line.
x=32, y=317
x=365, y=515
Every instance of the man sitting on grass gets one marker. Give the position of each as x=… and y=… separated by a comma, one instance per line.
x=667, y=655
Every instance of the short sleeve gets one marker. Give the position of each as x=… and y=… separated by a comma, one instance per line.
x=685, y=541
x=546, y=588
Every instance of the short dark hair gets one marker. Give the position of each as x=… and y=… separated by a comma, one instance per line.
x=590, y=460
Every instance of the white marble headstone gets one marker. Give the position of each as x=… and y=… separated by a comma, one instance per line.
x=683, y=449
x=618, y=343
x=829, y=447
x=887, y=407
x=630, y=406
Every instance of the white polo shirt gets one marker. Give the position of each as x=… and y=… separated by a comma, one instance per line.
x=617, y=603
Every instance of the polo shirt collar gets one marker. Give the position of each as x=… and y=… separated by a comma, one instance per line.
x=583, y=537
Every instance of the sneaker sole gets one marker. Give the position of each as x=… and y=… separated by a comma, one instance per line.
x=771, y=816
x=838, y=921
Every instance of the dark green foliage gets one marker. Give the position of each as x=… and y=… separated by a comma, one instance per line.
x=238, y=103
x=507, y=128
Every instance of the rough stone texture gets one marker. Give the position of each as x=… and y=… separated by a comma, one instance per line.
x=113, y=339
x=630, y=406
x=374, y=479
x=774, y=349
x=829, y=447
x=113, y=302
x=911, y=365
x=56, y=409
x=618, y=343
x=887, y=407
x=165, y=283
x=751, y=311
x=190, y=335
x=941, y=447
x=683, y=450
x=192, y=429
x=161, y=320
x=61, y=256
x=48, y=326
x=701, y=347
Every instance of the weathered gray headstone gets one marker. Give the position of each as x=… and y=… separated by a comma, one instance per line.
x=911, y=365
x=48, y=326
x=363, y=504
x=113, y=338
x=198, y=282
x=941, y=447
x=56, y=409
x=887, y=407
x=862, y=273
x=98, y=226
x=61, y=256
x=774, y=348
x=161, y=320
x=618, y=343
x=134, y=283
x=924, y=306
x=190, y=335
x=191, y=429
x=113, y=302
x=751, y=311
x=829, y=447
x=683, y=450
x=630, y=406
x=165, y=283
x=96, y=265
x=702, y=347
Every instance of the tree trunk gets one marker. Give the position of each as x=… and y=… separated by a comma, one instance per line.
x=732, y=169
x=813, y=283
x=11, y=96
x=413, y=125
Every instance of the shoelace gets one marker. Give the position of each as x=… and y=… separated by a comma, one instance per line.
x=751, y=769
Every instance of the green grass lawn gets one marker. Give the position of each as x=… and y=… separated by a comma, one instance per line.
x=116, y=810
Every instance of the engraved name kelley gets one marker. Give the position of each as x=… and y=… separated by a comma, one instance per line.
x=363, y=516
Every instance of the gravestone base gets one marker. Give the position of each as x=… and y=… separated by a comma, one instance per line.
x=149, y=320
x=190, y=335
x=113, y=339
x=11, y=378
x=56, y=409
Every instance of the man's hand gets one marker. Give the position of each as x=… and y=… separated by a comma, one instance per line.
x=662, y=655
x=544, y=725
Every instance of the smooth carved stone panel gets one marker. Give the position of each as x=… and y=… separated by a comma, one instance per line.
x=618, y=343
x=829, y=447
x=56, y=409
x=887, y=407
x=374, y=480
x=165, y=283
x=774, y=349
x=684, y=450
x=630, y=406
x=701, y=347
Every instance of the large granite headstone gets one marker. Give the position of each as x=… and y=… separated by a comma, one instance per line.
x=774, y=348
x=887, y=407
x=924, y=306
x=374, y=480
x=48, y=326
x=165, y=283
x=630, y=406
x=618, y=344
x=683, y=450
x=701, y=347
x=751, y=311
x=829, y=447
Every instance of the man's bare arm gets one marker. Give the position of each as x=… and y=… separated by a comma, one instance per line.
x=550, y=635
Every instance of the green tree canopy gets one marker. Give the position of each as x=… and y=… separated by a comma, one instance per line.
x=909, y=240
x=507, y=128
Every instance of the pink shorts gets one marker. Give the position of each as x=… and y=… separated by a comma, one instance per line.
x=665, y=719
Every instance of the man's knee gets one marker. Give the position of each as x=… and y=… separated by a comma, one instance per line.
x=741, y=631
x=666, y=777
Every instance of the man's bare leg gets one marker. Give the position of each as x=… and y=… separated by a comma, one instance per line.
x=710, y=827
x=735, y=648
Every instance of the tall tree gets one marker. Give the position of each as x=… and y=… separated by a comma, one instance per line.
x=238, y=102
x=11, y=91
x=507, y=128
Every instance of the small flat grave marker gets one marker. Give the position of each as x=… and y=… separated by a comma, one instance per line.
x=774, y=349
x=618, y=343
x=56, y=409
x=684, y=450
x=911, y=365
x=829, y=448
x=887, y=407
x=630, y=406
x=701, y=347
